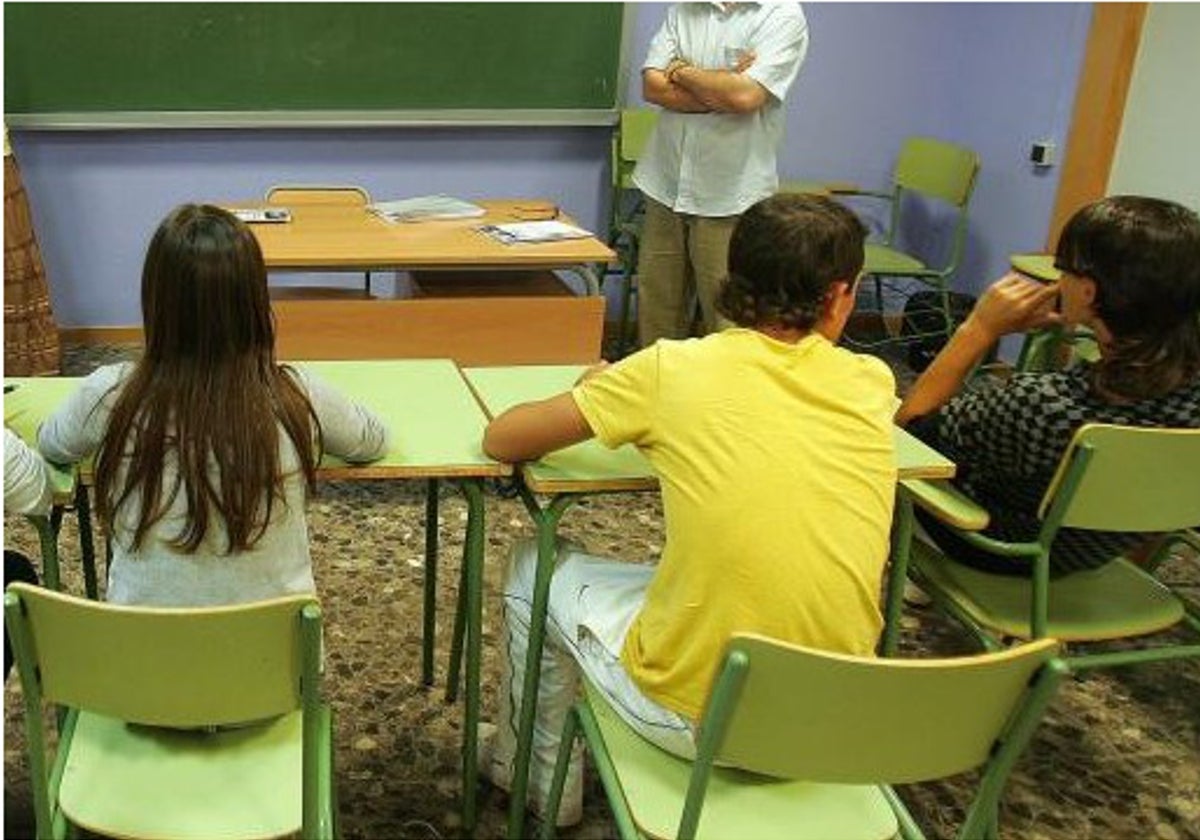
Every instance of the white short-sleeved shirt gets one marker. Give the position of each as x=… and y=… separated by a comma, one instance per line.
x=719, y=164
x=156, y=574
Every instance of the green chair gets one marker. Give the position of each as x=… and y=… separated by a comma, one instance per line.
x=627, y=206
x=930, y=169
x=307, y=194
x=1111, y=478
x=821, y=737
x=204, y=723
x=1050, y=348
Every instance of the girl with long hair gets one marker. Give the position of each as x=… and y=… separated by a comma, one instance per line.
x=206, y=449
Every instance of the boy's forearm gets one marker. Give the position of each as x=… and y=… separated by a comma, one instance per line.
x=720, y=90
x=528, y=431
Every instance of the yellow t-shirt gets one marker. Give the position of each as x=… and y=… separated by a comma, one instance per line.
x=778, y=473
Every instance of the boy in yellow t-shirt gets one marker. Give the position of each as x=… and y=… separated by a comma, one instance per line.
x=775, y=454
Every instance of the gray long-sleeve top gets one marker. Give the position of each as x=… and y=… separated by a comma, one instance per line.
x=156, y=574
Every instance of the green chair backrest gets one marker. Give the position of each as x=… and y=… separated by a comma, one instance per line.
x=318, y=194
x=936, y=168
x=635, y=129
x=165, y=667
x=1119, y=478
x=832, y=718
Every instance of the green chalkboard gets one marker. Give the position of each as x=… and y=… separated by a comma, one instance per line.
x=342, y=61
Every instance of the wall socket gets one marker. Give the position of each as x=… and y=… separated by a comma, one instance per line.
x=1042, y=153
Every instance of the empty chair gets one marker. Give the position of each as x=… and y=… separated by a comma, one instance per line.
x=934, y=170
x=318, y=194
x=294, y=194
x=627, y=206
x=179, y=723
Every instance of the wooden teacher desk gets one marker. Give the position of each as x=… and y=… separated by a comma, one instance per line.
x=590, y=467
x=467, y=322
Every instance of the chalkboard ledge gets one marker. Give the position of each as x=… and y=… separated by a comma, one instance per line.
x=466, y=118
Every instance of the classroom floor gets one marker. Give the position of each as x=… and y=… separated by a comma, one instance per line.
x=1118, y=755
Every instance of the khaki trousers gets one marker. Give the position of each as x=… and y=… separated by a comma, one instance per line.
x=682, y=258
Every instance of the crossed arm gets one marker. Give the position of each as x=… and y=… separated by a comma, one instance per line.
x=689, y=89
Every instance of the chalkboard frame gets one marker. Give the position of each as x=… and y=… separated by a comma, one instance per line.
x=292, y=118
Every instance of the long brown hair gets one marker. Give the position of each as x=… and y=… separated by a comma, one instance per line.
x=1143, y=254
x=207, y=395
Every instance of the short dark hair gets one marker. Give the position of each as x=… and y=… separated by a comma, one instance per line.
x=785, y=253
x=1143, y=254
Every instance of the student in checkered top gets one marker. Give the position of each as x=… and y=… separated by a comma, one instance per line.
x=1131, y=273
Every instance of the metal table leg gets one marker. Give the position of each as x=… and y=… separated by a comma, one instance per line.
x=431, y=560
x=87, y=548
x=460, y=628
x=897, y=572
x=547, y=520
x=473, y=583
x=48, y=542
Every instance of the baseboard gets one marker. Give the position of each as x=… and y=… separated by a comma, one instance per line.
x=92, y=336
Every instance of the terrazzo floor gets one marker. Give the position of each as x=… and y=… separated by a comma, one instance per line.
x=1117, y=756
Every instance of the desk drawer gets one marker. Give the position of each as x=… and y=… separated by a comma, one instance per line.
x=484, y=283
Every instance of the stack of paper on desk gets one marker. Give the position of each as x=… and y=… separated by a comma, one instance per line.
x=517, y=232
x=426, y=207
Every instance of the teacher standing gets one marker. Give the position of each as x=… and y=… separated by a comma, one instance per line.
x=720, y=72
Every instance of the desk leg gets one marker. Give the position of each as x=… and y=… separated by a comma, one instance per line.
x=48, y=542
x=87, y=547
x=897, y=572
x=431, y=561
x=547, y=523
x=460, y=626
x=473, y=587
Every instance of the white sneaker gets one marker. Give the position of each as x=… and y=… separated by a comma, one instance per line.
x=915, y=596
x=499, y=773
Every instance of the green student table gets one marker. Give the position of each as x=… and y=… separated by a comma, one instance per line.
x=435, y=426
x=566, y=476
x=31, y=400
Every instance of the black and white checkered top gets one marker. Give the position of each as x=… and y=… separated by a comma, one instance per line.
x=1008, y=440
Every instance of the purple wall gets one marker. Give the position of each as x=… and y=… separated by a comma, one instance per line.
x=994, y=77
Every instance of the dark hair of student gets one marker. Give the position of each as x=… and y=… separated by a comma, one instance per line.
x=1144, y=256
x=785, y=253
x=207, y=397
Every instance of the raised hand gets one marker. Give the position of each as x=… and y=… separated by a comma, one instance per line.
x=1015, y=304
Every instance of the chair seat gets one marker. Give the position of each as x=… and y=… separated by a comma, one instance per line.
x=880, y=259
x=204, y=785
x=1114, y=601
x=738, y=804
